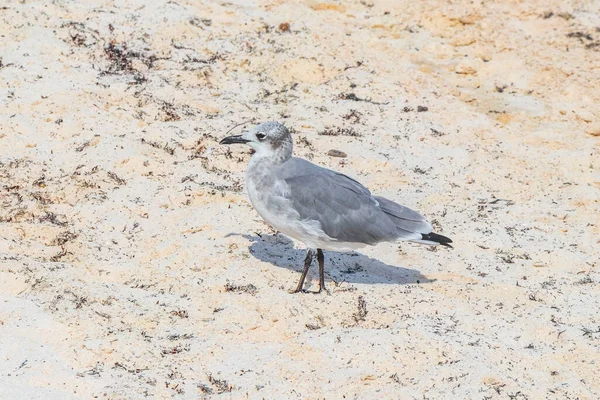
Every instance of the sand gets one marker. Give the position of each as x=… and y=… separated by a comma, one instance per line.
x=132, y=264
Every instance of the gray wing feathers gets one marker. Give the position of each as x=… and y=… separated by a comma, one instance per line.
x=403, y=217
x=345, y=209
x=344, y=212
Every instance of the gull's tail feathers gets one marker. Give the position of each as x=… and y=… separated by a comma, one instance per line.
x=411, y=225
x=434, y=239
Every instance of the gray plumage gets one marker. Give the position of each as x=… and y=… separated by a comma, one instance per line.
x=345, y=209
x=320, y=207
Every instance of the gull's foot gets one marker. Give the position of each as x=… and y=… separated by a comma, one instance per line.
x=310, y=291
x=302, y=290
x=323, y=288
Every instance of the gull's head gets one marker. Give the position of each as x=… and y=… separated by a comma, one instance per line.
x=267, y=139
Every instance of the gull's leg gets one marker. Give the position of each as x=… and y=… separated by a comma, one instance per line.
x=307, y=262
x=321, y=259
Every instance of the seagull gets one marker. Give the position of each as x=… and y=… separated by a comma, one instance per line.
x=320, y=207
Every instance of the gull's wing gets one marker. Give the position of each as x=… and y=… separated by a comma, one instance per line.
x=344, y=208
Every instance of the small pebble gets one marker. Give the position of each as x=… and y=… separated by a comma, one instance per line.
x=593, y=130
x=336, y=153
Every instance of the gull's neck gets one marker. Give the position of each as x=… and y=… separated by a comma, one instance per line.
x=266, y=158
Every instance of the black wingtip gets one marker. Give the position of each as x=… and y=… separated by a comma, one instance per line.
x=437, y=238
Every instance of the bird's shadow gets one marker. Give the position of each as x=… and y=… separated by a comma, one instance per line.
x=351, y=267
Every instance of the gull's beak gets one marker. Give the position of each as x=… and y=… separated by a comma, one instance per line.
x=234, y=139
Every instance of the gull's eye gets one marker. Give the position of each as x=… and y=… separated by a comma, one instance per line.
x=260, y=136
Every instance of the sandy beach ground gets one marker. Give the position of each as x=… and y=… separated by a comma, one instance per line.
x=132, y=264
